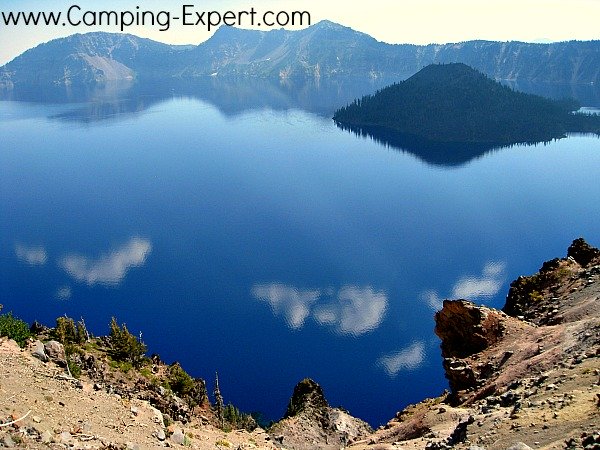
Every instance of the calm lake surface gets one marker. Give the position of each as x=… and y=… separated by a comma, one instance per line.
x=242, y=232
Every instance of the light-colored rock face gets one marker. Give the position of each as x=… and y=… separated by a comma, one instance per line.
x=38, y=351
x=108, y=69
x=56, y=352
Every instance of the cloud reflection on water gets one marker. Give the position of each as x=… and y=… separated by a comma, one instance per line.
x=471, y=287
x=108, y=269
x=63, y=293
x=487, y=285
x=293, y=303
x=409, y=358
x=32, y=255
x=351, y=310
x=432, y=299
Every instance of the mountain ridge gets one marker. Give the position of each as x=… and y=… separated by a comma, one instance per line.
x=325, y=49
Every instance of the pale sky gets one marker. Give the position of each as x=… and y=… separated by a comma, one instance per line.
x=393, y=21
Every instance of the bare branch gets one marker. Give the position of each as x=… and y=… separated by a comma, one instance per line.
x=15, y=421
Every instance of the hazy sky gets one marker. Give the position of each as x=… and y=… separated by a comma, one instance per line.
x=394, y=21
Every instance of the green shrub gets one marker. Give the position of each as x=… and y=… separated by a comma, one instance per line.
x=185, y=386
x=74, y=368
x=535, y=296
x=179, y=380
x=14, y=328
x=73, y=349
x=124, y=346
x=125, y=366
x=564, y=272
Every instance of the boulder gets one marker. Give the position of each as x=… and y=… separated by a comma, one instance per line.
x=466, y=329
x=582, y=252
x=39, y=352
x=178, y=437
x=38, y=328
x=46, y=437
x=519, y=446
x=56, y=352
x=8, y=442
x=460, y=374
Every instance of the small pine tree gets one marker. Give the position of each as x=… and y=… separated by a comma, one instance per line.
x=124, y=346
x=219, y=406
x=65, y=331
x=239, y=420
x=232, y=415
x=82, y=333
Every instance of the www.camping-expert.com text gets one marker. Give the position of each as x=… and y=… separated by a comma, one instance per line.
x=186, y=15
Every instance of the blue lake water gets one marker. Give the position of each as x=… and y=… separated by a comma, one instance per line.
x=242, y=232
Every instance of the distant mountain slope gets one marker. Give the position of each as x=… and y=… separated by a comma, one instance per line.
x=455, y=103
x=325, y=49
x=90, y=58
x=322, y=50
x=561, y=62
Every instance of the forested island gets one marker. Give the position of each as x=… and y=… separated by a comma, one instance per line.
x=454, y=103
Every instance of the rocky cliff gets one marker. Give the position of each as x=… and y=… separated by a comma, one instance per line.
x=90, y=58
x=310, y=422
x=525, y=377
x=323, y=50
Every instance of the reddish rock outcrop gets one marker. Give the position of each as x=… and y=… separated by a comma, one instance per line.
x=485, y=350
x=465, y=328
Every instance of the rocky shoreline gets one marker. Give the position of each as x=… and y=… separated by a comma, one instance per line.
x=524, y=377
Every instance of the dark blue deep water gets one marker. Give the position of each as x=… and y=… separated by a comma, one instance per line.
x=242, y=232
